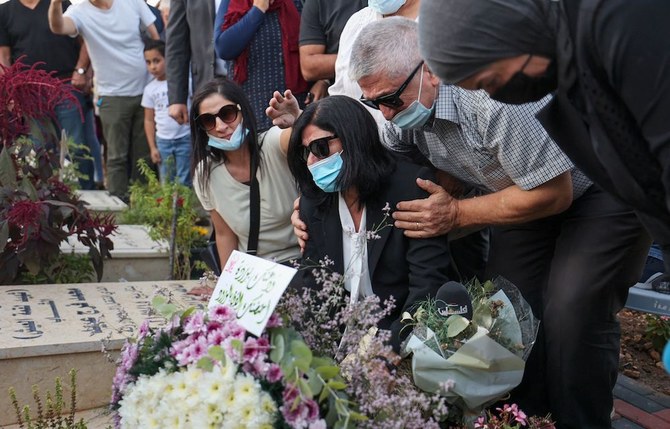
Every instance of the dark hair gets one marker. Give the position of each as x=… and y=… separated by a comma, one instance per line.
x=202, y=152
x=367, y=165
x=158, y=45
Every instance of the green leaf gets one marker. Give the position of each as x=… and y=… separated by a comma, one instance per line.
x=324, y=394
x=353, y=415
x=217, y=353
x=288, y=369
x=336, y=385
x=302, y=355
x=278, y=346
x=4, y=234
x=237, y=345
x=187, y=313
x=328, y=372
x=315, y=384
x=321, y=361
x=158, y=300
x=205, y=364
x=7, y=170
x=304, y=388
x=456, y=324
x=341, y=408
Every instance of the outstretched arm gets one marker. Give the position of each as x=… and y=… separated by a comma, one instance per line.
x=58, y=23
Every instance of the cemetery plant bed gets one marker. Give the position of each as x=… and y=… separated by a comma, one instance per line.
x=638, y=359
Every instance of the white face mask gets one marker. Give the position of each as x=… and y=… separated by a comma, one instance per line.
x=386, y=7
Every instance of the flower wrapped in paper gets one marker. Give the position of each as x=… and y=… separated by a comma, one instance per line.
x=472, y=361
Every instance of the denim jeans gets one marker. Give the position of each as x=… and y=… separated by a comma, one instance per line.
x=175, y=159
x=79, y=124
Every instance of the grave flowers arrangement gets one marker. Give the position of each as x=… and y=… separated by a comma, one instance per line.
x=470, y=344
x=205, y=370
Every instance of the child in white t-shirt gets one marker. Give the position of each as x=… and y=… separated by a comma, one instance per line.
x=169, y=142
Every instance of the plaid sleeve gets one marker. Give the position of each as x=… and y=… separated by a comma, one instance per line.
x=523, y=148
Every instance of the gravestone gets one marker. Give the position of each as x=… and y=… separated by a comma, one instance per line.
x=135, y=257
x=102, y=202
x=46, y=330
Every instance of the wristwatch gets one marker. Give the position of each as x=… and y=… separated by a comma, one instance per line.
x=81, y=70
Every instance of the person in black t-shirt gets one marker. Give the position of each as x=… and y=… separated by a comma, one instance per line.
x=25, y=35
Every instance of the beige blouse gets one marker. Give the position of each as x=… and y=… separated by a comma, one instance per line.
x=278, y=190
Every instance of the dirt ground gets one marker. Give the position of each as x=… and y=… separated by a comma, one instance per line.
x=638, y=359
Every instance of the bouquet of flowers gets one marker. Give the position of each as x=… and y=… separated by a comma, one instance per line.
x=205, y=370
x=470, y=345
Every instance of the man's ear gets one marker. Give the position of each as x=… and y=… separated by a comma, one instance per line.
x=434, y=80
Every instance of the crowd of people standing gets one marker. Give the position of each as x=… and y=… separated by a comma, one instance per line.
x=413, y=142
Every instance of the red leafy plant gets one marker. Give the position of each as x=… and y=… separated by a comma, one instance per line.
x=37, y=210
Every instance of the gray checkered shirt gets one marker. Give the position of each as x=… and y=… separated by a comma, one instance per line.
x=486, y=144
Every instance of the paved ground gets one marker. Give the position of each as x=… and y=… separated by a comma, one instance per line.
x=639, y=407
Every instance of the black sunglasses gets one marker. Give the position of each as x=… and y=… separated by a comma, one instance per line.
x=228, y=114
x=318, y=147
x=392, y=100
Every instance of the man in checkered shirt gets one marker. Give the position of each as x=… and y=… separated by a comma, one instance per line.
x=571, y=249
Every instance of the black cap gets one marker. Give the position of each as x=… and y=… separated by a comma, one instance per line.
x=453, y=298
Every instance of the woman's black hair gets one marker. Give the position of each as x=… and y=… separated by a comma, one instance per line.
x=367, y=165
x=204, y=155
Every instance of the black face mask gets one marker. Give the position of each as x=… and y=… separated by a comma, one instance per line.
x=522, y=88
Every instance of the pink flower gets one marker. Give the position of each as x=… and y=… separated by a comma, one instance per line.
x=195, y=323
x=221, y=313
x=143, y=330
x=297, y=411
x=274, y=321
x=274, y=373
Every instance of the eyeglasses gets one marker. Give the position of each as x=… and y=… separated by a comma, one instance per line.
x=228, y=114
x=391, y=100
x=318, y=147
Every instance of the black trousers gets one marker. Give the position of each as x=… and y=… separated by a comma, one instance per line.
x=574, y=269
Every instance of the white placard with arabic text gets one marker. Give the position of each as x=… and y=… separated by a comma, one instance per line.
x=252, y=287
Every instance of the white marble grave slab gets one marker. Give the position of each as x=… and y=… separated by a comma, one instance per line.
x=135, y=257
x=102, y=201
x=45, y=330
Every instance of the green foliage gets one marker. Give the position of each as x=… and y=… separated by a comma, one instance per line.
x=657, y=331
x=315, y=377
x=67, y=268
x=152, y=204
x=52, y=417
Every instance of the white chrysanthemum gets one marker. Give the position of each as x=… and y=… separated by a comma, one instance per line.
x=191, y=398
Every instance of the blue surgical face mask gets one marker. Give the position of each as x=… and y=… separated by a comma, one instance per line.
x=386, y=7
x=416, y=115
x=234, y=143
x=325, y=172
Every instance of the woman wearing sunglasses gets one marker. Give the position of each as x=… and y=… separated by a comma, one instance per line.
x=349, y=184
x=226, y=150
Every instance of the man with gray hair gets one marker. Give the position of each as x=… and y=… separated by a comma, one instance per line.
x=572, y=250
